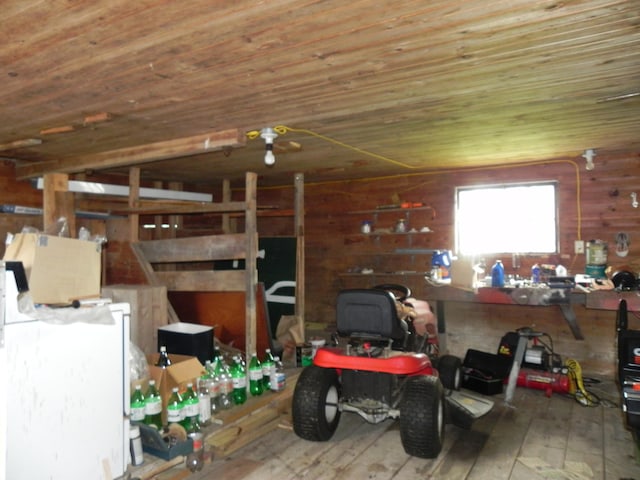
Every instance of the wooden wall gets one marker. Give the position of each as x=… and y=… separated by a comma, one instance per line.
x=17, y=193
x=333, y=245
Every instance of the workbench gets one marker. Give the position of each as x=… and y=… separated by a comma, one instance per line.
x=562, y=298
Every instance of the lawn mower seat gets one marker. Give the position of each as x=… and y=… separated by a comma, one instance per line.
x=369, y=313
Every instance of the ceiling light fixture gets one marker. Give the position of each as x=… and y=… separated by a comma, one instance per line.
x=588, y=156
x=268, y=134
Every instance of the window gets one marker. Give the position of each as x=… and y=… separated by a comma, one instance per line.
x=509, y=218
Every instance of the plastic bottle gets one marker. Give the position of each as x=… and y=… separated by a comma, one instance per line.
x=204, y=382
x=204, y=404
x=278, y=377
x=497, y=274
x=255, y=375
x=174, y=407
x=135, y=446
x=219, y=378
x=137, y=405
x=163, y=360
x=268, y=365
x=239, y=377
x=535, y=274
x=214, y=387
x=191, y=408
x=225, y=400
x=195, y=460
x=153, y=406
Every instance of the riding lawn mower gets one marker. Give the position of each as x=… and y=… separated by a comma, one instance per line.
x=380, y=369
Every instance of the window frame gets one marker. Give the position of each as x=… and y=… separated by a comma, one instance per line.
x=507, y=185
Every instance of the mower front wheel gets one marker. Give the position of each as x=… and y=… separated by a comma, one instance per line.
x=422, y=417
x=450, y=371
x=315, y=411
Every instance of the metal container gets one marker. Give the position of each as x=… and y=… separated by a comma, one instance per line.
x=596, y=252
x=595, y=271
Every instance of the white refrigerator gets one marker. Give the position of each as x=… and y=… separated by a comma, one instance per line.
x=64, y=391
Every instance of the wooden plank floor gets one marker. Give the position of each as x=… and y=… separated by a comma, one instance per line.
x=534, y=438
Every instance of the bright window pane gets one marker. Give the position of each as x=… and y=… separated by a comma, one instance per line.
x=506, y=219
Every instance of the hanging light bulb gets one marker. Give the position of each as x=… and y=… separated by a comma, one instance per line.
x=269, y=135
x=269, y=157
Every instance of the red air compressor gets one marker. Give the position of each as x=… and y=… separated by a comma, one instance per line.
x=540, y=367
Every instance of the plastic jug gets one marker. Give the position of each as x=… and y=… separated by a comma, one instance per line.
x=497, y=274
x=441, y=261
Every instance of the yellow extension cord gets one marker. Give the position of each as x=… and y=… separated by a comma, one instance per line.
x=576, y=384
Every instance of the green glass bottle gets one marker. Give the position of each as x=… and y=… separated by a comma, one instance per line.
x=174, y=407
x=268, y=365
x=191, y=406
x=137, y=404
x=153, y=406
x=255, y=375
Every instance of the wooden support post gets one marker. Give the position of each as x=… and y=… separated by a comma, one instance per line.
x=134, y=197
x=58, y=202
x=251, y=269
x=157, y=219
x=299, y=232
x=226, y=197
x=175, y=221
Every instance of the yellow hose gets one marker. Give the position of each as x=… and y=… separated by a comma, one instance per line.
x=576, y=384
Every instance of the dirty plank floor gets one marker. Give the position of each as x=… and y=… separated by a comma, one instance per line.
x=534, y=438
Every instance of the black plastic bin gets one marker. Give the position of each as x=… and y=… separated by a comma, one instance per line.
x=485, y=372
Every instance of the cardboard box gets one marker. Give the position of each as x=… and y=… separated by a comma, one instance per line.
x=183, y=369
x=59, y=270
x=186, y=338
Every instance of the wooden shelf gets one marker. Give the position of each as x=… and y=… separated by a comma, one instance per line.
x=386, y=274
x=385, y=234
x=390, y=210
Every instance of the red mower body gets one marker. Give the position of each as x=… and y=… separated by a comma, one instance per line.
x=407, y=363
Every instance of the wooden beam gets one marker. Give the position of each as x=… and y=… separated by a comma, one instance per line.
x=97, y=118
x=123, y=157
x=251, y=267
x=134, y=198
x=27, y=142
x=160, y=207
x=152, y=279
x=299, y=233
x=194, y=249
x=55, y=130
x=57, y=202
x=226, y=197
x=175, y=221
x=202, y=280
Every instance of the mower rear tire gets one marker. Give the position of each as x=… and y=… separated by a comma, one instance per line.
x=315, y=411
x=450, y=371
x=422, y=417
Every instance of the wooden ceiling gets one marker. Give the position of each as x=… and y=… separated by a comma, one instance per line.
x=367, y=88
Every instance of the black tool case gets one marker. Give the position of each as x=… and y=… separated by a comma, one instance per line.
x=628, y=367
x=485, y=372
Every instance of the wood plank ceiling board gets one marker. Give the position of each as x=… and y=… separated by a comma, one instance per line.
x=428, y=84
